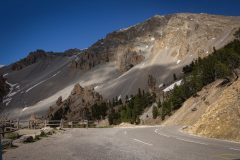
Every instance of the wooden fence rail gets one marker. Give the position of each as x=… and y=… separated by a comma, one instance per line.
x=8, y=126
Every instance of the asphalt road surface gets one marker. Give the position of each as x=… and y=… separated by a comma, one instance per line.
x=150, y=143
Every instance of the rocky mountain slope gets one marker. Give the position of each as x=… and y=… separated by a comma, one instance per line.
x=222, y=118
x=213, y=113
x=120, y=63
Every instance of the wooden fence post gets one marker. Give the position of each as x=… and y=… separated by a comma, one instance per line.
x=45, y=123
x=61, y=123
x=18, y=124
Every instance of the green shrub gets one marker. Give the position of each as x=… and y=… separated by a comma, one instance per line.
x=155, y=112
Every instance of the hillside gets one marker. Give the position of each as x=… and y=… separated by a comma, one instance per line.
x=212, y=107
x=120, y=63
x=214, y=113
x=222, y=118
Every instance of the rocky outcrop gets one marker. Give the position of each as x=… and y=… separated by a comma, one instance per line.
x=76, y=106
x=4, y=88
x=59, y=101
x=38, y=55
x=186, y=35
x=32, y=58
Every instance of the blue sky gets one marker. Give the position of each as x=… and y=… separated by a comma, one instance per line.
x=57, y=25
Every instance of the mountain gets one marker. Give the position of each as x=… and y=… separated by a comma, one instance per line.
x=118, y=64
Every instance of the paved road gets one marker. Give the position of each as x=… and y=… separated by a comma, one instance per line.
x=152, y=143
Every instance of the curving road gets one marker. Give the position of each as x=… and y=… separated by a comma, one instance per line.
x=149, y=143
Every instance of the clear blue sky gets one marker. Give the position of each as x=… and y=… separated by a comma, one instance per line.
x=57, y=25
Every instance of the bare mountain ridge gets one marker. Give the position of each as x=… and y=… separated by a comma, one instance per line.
x=188, y=34
x=120, y=63
x=39, y=55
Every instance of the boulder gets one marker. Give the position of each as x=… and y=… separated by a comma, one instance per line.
x=24, y=139
x=47, y=130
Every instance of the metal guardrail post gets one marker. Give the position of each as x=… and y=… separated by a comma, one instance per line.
x=1, y=147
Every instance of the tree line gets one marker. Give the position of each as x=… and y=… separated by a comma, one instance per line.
x=118, y=111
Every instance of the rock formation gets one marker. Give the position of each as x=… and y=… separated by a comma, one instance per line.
x=76, y=106
x=4, y=88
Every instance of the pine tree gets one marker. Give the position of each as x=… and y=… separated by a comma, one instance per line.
x=221, y=70
x=126, y=99
x=155, y=112
x=174, y=77
x=139, y=92
x=237, y=34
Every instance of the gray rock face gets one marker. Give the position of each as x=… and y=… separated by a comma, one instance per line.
x=186, y=34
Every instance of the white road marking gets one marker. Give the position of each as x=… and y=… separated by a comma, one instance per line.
x=191, y=141
x=156, y=131
x=164, y=135
x=234, y=149
x=137, y=140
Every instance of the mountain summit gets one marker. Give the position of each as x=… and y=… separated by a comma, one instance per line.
x=118, y=64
